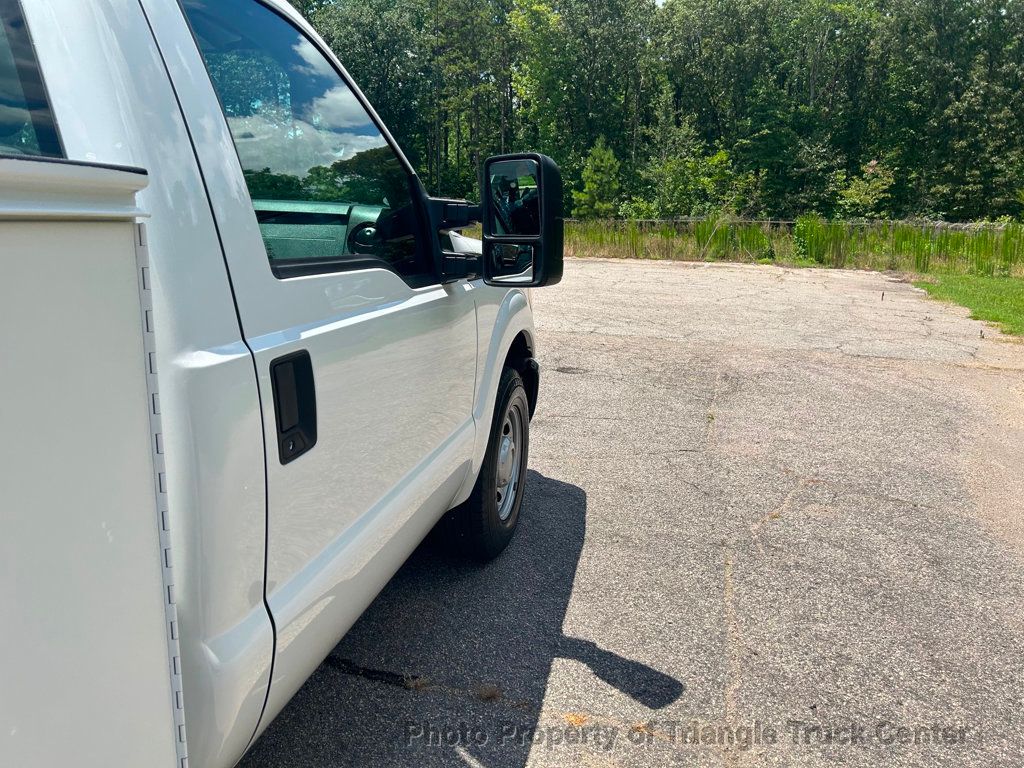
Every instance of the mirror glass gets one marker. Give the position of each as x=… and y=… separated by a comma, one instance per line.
x=515, y=198
x=511, y=263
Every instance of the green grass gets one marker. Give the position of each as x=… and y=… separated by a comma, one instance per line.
x=912, y=247
x=997, y=300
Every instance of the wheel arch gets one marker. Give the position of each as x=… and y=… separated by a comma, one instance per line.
x=520, y=357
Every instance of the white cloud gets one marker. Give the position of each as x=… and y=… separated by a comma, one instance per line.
x=316, y=64
x=338, y=108
x=294, y=147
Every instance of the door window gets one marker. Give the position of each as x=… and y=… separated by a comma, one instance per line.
x=330, y=193
x=26, y=124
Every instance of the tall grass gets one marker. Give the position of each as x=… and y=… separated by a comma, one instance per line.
x=976, y=249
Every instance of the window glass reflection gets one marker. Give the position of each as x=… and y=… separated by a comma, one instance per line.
x=26, y=123
x=322, y=177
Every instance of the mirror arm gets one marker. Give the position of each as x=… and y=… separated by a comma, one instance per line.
x=461, y=266
x=448, y=215
x=454, y=214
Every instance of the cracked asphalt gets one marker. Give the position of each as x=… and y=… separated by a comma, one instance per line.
x=774, y=517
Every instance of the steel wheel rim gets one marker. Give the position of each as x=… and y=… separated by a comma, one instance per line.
x=510, y=458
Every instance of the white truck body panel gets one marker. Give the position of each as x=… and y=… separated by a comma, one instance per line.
x=392, y=365
x=272, y=562
x=113, y=103
x=81, y=584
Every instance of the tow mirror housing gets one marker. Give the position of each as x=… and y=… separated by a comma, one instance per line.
x=522, y=221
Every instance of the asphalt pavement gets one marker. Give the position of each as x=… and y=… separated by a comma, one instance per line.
x=774, y=518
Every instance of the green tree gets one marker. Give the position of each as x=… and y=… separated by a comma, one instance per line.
x=599, y=197
x=384, y=47
x=868, y=195
x=766, y=107
x=683, y=177
x=587, y=70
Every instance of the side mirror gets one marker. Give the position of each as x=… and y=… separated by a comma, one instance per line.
x=522, y=221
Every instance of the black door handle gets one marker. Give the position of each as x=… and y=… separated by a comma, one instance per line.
x=294, y=404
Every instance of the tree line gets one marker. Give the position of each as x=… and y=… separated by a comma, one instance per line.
x=762, y=108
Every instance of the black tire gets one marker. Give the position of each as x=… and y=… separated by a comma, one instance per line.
x=483, y=525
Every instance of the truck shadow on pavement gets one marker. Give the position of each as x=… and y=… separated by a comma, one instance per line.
x=450, y=664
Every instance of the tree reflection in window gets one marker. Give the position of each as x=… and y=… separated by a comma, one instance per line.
x=303, y=137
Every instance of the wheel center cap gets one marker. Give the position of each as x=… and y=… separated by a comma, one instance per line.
x=506, y=460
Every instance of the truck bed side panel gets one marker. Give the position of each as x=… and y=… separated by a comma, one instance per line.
x=84, y=648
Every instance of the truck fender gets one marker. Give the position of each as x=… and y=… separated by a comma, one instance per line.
x=512, y=325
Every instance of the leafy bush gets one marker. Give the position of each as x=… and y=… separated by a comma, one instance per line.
x=807, y=238
x=868, y=196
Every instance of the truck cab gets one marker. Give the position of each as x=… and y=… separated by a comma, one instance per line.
x=269, y=360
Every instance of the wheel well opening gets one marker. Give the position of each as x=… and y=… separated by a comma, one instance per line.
x=520, y=357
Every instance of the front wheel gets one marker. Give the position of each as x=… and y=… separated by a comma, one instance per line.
x=487, y=520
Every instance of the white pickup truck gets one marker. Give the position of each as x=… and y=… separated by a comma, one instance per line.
x=248, y=364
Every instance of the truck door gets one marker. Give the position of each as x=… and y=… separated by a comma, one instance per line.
x=366, y=363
